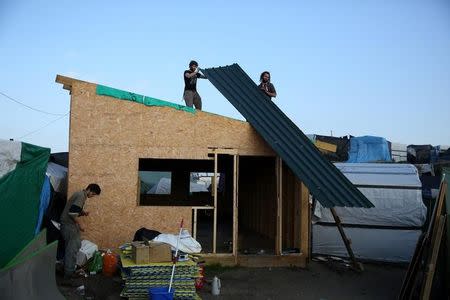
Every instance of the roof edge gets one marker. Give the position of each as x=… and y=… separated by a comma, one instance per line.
x=67, y=82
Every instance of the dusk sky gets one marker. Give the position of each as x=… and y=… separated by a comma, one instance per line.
x=377, y=68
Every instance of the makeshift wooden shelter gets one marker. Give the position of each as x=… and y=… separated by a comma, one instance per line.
x=158, y=162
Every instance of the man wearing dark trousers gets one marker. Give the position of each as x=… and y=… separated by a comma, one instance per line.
x=71, y=228
x=190, y=95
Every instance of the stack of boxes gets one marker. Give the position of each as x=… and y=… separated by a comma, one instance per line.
x=150, y=265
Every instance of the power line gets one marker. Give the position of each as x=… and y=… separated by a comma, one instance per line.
x=32, y=132
x=29, y=107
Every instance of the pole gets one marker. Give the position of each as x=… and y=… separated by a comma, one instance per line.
x=176, y=257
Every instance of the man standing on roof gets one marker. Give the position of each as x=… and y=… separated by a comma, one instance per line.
x=70, y=226
x=190, y=95
x=266, y=86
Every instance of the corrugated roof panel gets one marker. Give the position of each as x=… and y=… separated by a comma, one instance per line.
x=324, y=180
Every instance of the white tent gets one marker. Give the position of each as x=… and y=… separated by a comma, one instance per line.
x=387, y=232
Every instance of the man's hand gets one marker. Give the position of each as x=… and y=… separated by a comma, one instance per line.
x=264, y=87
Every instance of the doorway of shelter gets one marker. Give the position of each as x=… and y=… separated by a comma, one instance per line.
x=203, y=217
x=257, y=210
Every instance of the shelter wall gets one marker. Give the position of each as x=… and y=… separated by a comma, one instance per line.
x=107, y=138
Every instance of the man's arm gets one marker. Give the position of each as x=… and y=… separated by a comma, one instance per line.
x=200, y=75
x=191, y=75
x=75, y=212
x=271, y=92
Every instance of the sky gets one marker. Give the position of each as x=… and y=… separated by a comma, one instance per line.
x=379, y=68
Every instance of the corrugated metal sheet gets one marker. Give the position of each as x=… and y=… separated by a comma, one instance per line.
x=324, y=180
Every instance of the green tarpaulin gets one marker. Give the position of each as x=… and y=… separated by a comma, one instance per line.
x=149, y=101
x=20, y=190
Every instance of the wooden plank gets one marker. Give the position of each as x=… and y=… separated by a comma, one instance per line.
x=235, y=207
x=258, y=261
x=431, y=264
x=326, y=146
x=440, y=205
x=279, y=220
x=408, y=285
x=304, y=221
x=356, y=265
x=194, y=224
x=202, y=207
x=229, y=151
x=446, y=178
x=215, y=203
x=408, y=281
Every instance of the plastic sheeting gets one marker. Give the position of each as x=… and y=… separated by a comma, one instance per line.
x=20, y=191
x=149, y=101
x=394, y=189
x=31, y=274
x=187, y=243
x=367, y=243
x=9, y=156
x=86, y=251
x=58, y=177
x=164, y=184
x=43, y=203
x=368, y=149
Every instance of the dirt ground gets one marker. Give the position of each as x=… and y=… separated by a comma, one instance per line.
x=321, y=281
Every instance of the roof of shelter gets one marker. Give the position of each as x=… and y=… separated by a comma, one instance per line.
x=327, y=184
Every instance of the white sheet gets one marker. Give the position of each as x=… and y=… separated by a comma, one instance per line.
x=367, y=243
x=395, y=192
x=10, y=152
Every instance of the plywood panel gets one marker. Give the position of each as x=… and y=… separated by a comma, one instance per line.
x=107, y=138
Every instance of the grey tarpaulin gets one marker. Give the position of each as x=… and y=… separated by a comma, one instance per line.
x=31, y=274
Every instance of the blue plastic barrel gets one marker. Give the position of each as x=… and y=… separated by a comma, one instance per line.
x=160, y=293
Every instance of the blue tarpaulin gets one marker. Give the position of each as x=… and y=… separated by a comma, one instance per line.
x=43, y=203
x=368, y=149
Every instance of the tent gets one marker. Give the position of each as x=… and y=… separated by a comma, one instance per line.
x=22, y=175
x=387, y=232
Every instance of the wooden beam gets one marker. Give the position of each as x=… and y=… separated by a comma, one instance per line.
x=439, y=207
x=256, y=261
x=431, y=264
x=229, y=151
x=279, y=225
x=304, y=220
x=194, y=224
x=356, y=265
x=235, y=207
x=215, y=203
x=326, y=146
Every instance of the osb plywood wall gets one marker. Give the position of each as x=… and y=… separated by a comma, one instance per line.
x=107, y=138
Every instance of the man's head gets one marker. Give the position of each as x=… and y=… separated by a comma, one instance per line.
x=193, y=65
x=93, y=190
x=265, y=77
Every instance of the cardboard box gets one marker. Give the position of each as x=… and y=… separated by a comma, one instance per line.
x=140, y=253
x=159, y=252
